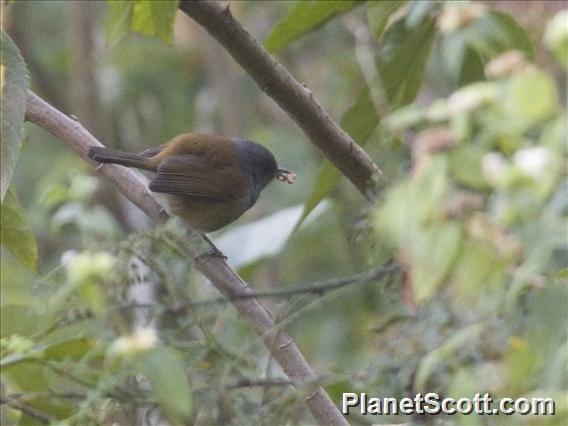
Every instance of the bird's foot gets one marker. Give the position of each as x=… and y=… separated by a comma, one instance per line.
x=163, y=214
x=213, y=252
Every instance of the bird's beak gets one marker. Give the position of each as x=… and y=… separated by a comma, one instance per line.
x=285, y=175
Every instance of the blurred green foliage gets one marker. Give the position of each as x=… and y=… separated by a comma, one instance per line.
x=149, y=18
x=491, y=234
x=302, y=18
x=104, y=321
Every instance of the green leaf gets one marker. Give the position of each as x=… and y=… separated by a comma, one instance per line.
x=22, y=320
x=14, y=86
x=418, y=10
x=477, y=267
x=405, y=117
x=326, y=180
x=530, y=96
x=75, y=349
x=166, y=373
x=302, y=18
x=465, y=166
x=402, y=60
x=434, y=251
x=359, y=121
x=27, y=376
x=444, y=353
x=466, y=51
x=30, y=377
x=406, y=219
x=548, y=306
x=471, y=69
x=461, y=61
x=155, y=18
x=411, y=205
x=151, y=18
x=450, y=54
x=495, y=33
x=361, y=118
x=90, y=329
x=430, y=189
x=394, y=220
x=378, y=14
x=16, y=233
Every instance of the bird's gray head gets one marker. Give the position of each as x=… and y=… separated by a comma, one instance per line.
x=258, y=163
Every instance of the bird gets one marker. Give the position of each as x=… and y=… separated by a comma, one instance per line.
x=209, y=181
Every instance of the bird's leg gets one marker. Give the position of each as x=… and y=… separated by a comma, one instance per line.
x=212, y=252
x=163, y=214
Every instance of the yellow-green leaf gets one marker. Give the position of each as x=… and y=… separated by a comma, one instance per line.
x=530, y=96
x=75, y=349
x=434, y=251
x=15, y=231
x=155, y=18
x=151, y=18
x=164, y=369
x=119, y=19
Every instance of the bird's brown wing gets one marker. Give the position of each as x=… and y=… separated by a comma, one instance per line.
x=194, y=176
x=150, y=152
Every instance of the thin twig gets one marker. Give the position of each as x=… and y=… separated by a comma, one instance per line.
x=26, y=409
x=118, y=394
x=318, y=287
x=249, y=383
x=42, y=395
x=294, y=98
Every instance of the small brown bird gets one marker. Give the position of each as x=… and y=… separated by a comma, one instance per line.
x=210, y=181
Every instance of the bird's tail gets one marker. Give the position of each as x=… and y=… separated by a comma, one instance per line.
x=105, y=155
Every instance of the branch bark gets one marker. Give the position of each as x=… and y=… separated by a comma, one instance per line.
x=294, y=98
x=279, y=342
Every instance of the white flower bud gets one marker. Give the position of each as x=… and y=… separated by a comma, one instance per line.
x=533, y=161
x=141, y=340
x=556, y=37
x=85, y=267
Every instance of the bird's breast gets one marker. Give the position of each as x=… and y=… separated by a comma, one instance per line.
x=206, y=215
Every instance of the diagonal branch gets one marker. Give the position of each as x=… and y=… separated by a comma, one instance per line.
x=294, y=98
x=279, y=342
